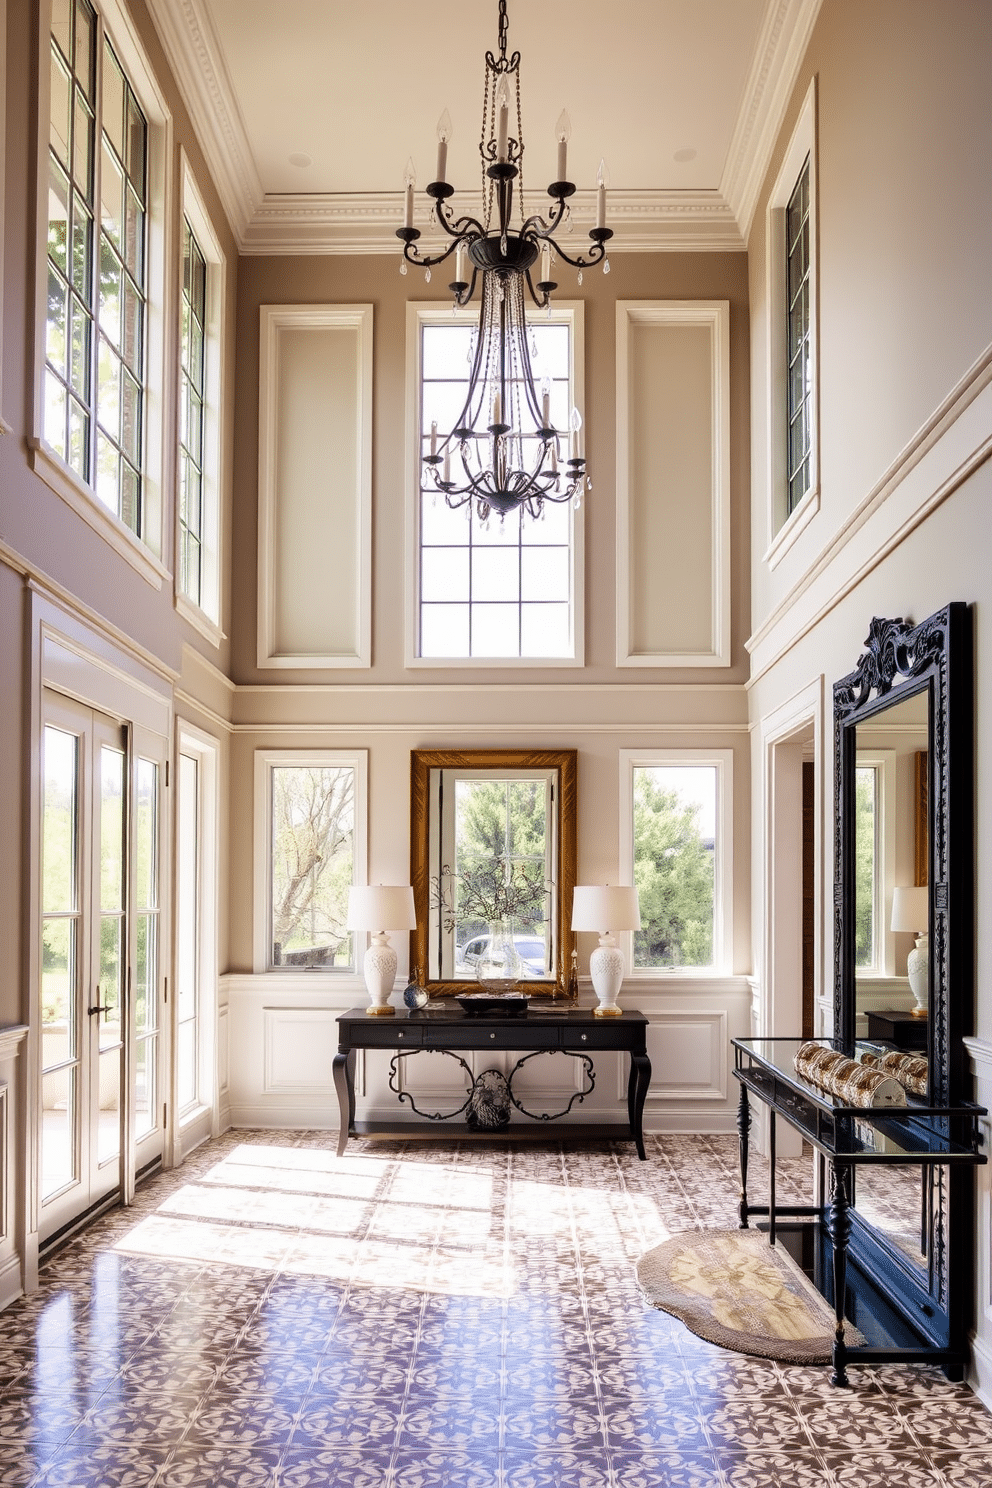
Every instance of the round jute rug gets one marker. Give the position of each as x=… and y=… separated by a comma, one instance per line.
x=734, y=1289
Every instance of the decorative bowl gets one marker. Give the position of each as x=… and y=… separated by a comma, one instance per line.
x=494, y=1004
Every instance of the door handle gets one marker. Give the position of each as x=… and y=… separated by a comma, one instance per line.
x=100, y=1007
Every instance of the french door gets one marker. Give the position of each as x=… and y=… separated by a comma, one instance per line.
x=101, y=1117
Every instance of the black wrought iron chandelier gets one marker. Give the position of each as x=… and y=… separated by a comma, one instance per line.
x=503, y=451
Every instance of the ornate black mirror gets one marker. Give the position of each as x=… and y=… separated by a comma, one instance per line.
x=910, y=697
x=903, y=853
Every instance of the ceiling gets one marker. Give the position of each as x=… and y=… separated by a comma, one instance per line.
x=309, y=109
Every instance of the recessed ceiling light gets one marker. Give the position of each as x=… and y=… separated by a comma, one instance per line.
x=301, y=160
x=682, y=156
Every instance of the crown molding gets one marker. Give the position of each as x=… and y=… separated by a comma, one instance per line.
x=365, y=222
x=196, y=58
x=778, y=54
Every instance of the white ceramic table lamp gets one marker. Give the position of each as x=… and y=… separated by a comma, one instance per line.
x=381, y=907
x=911, y=911
x=606, y=908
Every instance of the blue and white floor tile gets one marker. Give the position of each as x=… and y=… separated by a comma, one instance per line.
x=273, y=1316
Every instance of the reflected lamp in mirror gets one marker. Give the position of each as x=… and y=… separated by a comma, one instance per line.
x=606, y=908
x=380, y=908
x=911, y=912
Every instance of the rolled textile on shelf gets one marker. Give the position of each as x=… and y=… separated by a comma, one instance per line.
x=911, y=1070
x=857, y=1084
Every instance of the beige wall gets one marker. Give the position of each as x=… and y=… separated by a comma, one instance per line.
x=376, y=280
x=905, y=242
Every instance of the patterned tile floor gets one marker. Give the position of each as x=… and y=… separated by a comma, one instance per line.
x=447, y=1316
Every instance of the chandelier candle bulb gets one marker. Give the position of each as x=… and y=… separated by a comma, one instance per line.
x=443, y=136
x=434, y=437
x=503, y=120
x=546, y=263
x=497, y=408
x=409, y=181
x=601, y=195
x=446, y=473
x=562, y=131
x=460, y=276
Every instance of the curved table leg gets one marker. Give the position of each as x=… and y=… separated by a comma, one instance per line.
x=344, y=1088
x=743, y=1138
x=637, y=1089
x=840, y=1234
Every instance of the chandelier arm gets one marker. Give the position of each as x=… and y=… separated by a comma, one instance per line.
x=596, y=255
x=541, y=228
x=542, y=301
x=458, y=227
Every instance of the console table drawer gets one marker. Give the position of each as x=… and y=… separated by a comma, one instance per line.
x=513, y=1033
x=620, y=1036
x=387, y=1035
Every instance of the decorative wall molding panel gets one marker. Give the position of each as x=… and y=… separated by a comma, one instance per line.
x=673, y=474
x=315, y=396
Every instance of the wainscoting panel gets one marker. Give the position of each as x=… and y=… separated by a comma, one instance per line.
x=690, y=1056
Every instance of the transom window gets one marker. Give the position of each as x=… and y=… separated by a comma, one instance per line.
x=504, y=587
x=96, y=291
x=799, y=385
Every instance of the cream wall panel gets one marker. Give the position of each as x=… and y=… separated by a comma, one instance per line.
x=300, y=1044
x=315, y=486
x=689, y=1053
x=673, y=483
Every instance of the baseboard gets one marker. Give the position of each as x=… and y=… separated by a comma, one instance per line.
x=11, y=1282
x=980, y=1373
x=692, y=1123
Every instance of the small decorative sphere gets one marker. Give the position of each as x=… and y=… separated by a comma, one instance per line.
x=415, y=996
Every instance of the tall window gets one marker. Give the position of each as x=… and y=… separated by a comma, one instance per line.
x=310, y=815
x=504, y=587
x=191, y=400
x=97, y=258
x=867, y=875
x=799, y=384
x=676, y=847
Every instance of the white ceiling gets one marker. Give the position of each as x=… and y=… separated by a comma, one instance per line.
x=308, y=109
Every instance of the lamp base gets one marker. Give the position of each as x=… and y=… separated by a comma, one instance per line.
x=607, y=1012
x=380, y=1012
x=606, y=968
x=380, y=973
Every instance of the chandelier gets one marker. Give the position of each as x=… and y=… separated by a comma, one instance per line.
x=503, y=451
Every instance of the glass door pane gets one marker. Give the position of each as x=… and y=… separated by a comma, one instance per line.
x=107, y=1008
x=59, y=1020
x=146, y=853
x=187, y=933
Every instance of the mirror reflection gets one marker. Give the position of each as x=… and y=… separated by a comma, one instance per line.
x=492, y=866
x=890, y=838
x=898, y=1201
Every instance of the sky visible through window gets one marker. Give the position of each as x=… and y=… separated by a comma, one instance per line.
x=503, y=587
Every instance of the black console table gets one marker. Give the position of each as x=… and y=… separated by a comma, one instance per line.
x=445, y=1028
x=844, y=1136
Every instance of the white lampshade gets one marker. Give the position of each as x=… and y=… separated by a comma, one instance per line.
x=911, y=910
x=605, y=907
x=381, y=907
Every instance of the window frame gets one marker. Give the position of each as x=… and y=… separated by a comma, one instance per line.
x=205, y=616
x=723, y=855
x=198, y=1120
x=265, y=761
x=419, y=314
x=883, y=762
x=783, y=526
x=144, y=551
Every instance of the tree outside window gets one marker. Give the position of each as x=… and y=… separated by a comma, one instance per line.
x=674, y=835
x=312, y=846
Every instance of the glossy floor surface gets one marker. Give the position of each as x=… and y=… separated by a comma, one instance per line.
x=446, y=1316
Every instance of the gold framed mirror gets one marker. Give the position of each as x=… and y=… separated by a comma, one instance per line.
x=492, y=837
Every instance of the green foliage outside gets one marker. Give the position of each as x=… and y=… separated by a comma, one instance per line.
x=313, y=818
x=500, y=869
x=674, y=874
x=864, y=866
